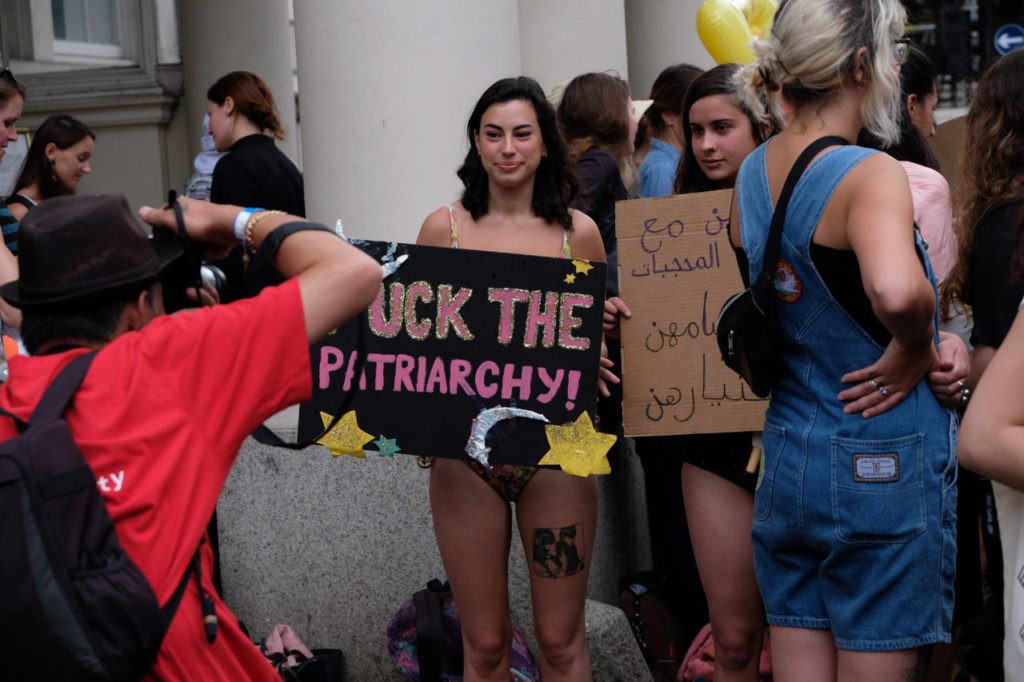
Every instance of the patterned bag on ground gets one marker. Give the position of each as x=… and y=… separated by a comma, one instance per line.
x=656, y=629
x=425, y=640
x=699, y=663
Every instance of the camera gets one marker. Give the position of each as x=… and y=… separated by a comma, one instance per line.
x=186, y=272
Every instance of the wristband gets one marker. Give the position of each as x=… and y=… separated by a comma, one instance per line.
x=240, y=222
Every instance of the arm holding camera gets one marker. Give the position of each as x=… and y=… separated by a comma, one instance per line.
x=323, y=263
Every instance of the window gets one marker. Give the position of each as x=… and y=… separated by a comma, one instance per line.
x=95, y=34
x=52, y=35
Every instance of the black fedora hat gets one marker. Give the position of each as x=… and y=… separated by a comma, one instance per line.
x=74, y=250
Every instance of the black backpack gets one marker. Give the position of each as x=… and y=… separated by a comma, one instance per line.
x=74, y=606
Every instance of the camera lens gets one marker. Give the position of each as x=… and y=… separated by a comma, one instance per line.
x=212, y=276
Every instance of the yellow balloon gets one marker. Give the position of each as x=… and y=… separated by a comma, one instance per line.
x=726, y=27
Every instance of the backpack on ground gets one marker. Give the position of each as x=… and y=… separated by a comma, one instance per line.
x=425, y=640
x=657, y=632
x=74, y=606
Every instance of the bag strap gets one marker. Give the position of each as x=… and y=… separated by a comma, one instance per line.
x=429, y=630
x=168, y=610
x=60, y=391
x=53, y=403
x=771, y=249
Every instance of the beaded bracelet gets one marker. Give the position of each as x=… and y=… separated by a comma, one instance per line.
x=251, y=225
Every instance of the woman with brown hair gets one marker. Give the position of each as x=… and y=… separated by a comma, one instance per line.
x=57, y=160
x=254, y=172
x=720, y=132
x=987, y=282
x=989, y=203
x=598, y=120
x=658, y=168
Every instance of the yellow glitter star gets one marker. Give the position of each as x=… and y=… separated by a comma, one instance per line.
x=570, y=279
x=578, y=448
x=582, y=266
x=346, y=438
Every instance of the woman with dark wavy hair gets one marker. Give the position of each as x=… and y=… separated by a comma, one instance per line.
x=57, y=160
x=989, y=203
x=987, y=284
x=518, y=187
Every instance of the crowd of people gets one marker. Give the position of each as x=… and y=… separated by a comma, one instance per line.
x=853, y=548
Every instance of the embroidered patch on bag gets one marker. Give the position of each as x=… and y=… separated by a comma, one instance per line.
x=786, y=282
x=876, y=468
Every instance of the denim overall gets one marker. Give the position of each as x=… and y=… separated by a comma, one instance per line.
x=854, y=519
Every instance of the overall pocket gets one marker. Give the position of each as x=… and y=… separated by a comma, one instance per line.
x=773, y=442
x=877, y=490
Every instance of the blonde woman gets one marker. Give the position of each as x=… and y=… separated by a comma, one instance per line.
x=855, y=510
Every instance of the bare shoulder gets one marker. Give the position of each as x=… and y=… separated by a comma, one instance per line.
x=878, y=172
x=585, y=238
x=18, y=211
x=436, y=229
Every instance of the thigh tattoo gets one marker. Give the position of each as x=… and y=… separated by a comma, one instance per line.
x=557, y=552
x=919, y=673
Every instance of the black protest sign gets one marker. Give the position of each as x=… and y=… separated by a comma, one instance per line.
x=452, y=335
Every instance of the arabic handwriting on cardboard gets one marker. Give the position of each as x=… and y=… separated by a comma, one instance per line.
x=657, y=242
x=680, y=403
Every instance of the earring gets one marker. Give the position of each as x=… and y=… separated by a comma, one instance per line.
x=53, y=170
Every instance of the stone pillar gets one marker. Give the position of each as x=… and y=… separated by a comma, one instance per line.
x=560, y=40
x=662, y=33
x=387, y=88
x=220, y=37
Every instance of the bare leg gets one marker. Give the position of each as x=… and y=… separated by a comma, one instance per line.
x=557, y=516
x=473, y=528
x=907, y=665
x=720, y=514
x=803, y=655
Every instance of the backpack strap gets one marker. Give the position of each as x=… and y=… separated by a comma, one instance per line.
x=60, y=391
x=22, y=425
x=430, y=630
x=168, y=610
x=55, y=400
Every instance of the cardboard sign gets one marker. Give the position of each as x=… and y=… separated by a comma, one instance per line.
x=676, y=269
x=454, y=333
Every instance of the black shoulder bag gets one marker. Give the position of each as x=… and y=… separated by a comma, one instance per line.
x=746, y=322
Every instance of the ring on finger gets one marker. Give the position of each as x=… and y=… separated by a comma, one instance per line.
x=884, y=391
x=873, y=384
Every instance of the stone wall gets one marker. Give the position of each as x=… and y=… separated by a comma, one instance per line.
x=333, y=546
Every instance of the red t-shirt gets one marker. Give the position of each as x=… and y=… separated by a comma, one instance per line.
x=160, y=418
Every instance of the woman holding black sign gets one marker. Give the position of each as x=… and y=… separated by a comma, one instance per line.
x=518, y=186
x=855, y=509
